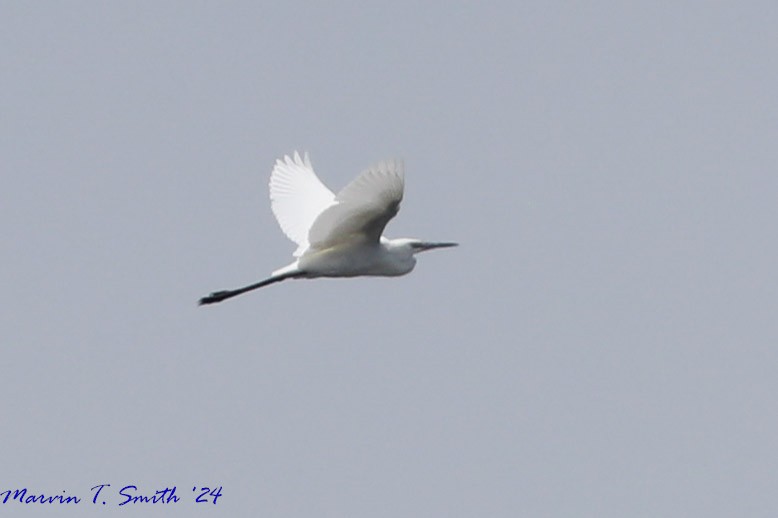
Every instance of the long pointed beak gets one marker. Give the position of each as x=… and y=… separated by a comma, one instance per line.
x=429, y=246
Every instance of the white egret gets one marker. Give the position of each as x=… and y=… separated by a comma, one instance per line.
x=337, y=236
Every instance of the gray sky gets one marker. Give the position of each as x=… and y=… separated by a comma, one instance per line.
x=603, y=343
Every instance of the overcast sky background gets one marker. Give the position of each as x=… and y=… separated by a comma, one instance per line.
x=603, y=343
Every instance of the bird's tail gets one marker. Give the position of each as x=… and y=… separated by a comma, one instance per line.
x=288, y=269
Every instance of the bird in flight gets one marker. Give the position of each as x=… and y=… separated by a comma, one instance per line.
x=337, y=235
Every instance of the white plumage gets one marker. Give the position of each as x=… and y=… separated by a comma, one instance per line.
x=337, y=236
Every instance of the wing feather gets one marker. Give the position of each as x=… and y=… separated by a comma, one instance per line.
x=297, y=197
x=362, y=209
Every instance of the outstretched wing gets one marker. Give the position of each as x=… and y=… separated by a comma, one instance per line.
x=297, y=197
x=362, y=209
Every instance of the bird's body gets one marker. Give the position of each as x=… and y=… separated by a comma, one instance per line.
x=337, y=236
x=385, y=258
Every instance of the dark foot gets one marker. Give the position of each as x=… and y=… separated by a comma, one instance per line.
x=216, y=296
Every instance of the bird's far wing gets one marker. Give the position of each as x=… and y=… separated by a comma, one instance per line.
x=362, y=209
x=297, y=197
